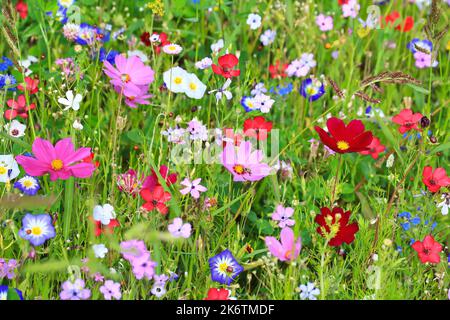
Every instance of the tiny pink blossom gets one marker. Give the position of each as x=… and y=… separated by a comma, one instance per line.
x=282, y=215
x=350, y=9
x=325, y=23
x=289, y=247
x=423, y=60
x=178, y=229
x=193, y=187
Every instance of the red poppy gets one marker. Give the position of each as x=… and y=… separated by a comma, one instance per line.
x=31, y=85
x=227, y=62
x=99, y=228
x=335, y=225
x=341, y=2
x=90, y=158
x=407, y=120
x=152, y=181
x=392, y=21
x=218, y=294
x=22, y=9
x=375, y=148
x=407, y=24
x=436, y=179
x=257, y=128
x=345, y=139
x=428, y=250
x=277, y=70
x=158, y=40
x=230, y=136
x=18, y=108
x=155, y=199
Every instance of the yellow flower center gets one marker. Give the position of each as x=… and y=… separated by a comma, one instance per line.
x=343, y=145
x=172, y=48
x=238, y=169
x=178, y=80
x=288, y=254
x=57, y=164
x=3, y=170
x=223, y=267
x=125, y=78
x=28, y=183
x=36, y=231
x=311, y=91
x=193, y=86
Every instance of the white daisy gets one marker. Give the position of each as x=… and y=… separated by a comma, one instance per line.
x=172, y=48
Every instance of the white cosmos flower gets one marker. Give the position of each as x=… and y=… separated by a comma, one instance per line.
x=9, y=169
x=15, y=129
x=104, y=213
x=172, y=48
x=195, y=88
x=100, y=250
x=72, y=102
x=176, y=79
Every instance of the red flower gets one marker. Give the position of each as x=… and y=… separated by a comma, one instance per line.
x=18, y=108
x=230, y=136
x=428, y=250
x=145, y=38
x=404, y=26
x=227, y=62
x=344, y=139
x=22, y=9
x=375, y=148
x=157, y=39
x=155, y=199
x=90, y=158
x=152, y=181
x=99, y=228
x=218, y=294
x=341, y=2
x=257, y=128
x=277, y=70
x=335, y=224
x=407, y=120
x=31, y=85
x=435, y=180
x=407, y=25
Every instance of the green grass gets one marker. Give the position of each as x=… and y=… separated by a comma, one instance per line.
x=242, y=214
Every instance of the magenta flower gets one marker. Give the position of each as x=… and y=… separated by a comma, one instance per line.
x=289, y=247
x=423, y=60
x=282, y=215
x=245, y=165
x=193, y=187
x=111, y=290
x=62, y=161
x=178, y=229
x=135, y=95
x=74, y=290
x=325, y=23
x=128, y=73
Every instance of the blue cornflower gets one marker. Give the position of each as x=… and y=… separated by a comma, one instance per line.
x=5, y=63
x=415, y=221
x=28, y=185
x=282, y=91
x=424, y=45
x=109, y=56
x=406, y=226
x=7, y=80
x=312, y=90
x=405, y=214
x=37, y=228
x=224, y=267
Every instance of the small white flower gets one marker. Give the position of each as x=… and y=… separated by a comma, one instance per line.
x=390, y=161
x=72, y=102
x=309, y=291
x=268, y=37
x=172, y=48
x=223, y=91
x=26, y=63
x=15, y=129
x=104, y=213
x=263, y=103
x=254, y=21
x=77, y=125
x=9, y=169
x=216, y=47
x=139, y=54
x=258, y=89
x=205, y=63
x=444, y=205
x=100, y=250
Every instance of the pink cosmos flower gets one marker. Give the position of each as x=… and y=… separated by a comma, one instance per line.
x=325, y=23
x=282, y=215
x=289, y=247
x=135, y=95
x=62, y=161
x=193, y=187
x=129, y=73
x=245, y=165
x=178, y=229
x=423, y=60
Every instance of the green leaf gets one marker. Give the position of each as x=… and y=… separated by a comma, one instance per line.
x=418, y=89
x=390, y=137
x=441, y=148
x=12, y=294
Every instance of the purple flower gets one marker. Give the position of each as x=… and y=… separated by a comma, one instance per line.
x=37, y=228
x=325, y=23
x=158, y=290
x=178, y=229
x=111, y=290
x=312, y=89
x=160, y=279
x=98, y=277
x=144, y=267
x=224, y=267
x=7, y=268
x=282, y=215
x=192, y=187
x=74, y=290
x=288, y=248
x=423, y=60
x=133, y=249
x=28, y=185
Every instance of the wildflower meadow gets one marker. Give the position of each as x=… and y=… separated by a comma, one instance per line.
x=224, y=150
